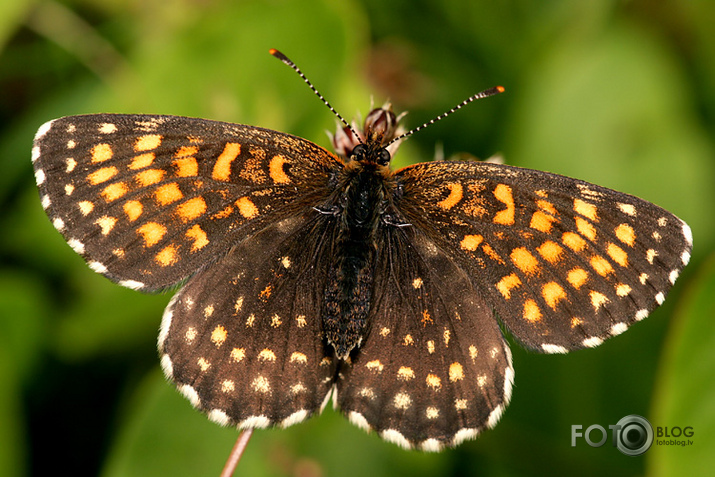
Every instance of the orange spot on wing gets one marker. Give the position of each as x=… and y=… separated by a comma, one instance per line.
x=167, y=256
x=573, y=241
x=506, y=284
x=586, y=209
x=102, y=175
x=586, y=228
x=147, y=142
x=222, y=167
x=577, y=277
x=541, y=221
x=532, y=313
x=143, y=160
x=546, y=206
x=456, y=373
x=489, y=251
x=152, y=233
x=101, y=153
x=626, y=234
x=601, y=265
x=524, y=260
x=503, y=193
x=247, y=208
x=426, y=318
x=617, y=254
x=553, y=293
x=197, y=234
x=149, y=177
x=455, y=195
x=133, y=209
x=186, y=151
x=191, y=209
x=114, y=191
x=168, y=193
x=186, y=167
x=598, y=299
x=275, y=169
x=471, y=242
x=550, y=251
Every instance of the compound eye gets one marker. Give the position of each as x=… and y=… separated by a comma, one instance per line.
x=358, y=152
x=384, y=157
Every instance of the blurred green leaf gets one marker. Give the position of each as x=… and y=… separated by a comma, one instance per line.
x=686, y=390
x=11, y=14
x=611, y=109
x=22, y=325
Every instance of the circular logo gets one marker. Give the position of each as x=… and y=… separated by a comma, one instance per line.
x=634, y=435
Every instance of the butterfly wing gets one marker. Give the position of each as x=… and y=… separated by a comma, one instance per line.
x=147, y=200
x=565, y=263
x=241, y=338
x=434, y=369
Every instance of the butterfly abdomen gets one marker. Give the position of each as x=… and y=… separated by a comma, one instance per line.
x=349, y=289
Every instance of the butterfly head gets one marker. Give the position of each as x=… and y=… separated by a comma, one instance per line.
x=372, y=142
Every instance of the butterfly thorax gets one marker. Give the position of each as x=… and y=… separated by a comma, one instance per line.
x=361, y=201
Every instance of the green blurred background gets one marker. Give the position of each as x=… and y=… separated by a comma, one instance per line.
x=619, y=93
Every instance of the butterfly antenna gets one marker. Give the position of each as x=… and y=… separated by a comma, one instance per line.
x=290, y=63
x=483, y=94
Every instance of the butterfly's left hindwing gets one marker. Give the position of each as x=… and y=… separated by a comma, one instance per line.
x=434, y=369
x=147, y=200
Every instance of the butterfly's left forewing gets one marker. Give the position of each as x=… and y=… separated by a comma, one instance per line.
x=147, y=200
x=565, y=263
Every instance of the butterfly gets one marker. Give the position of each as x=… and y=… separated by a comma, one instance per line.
x=309, y=276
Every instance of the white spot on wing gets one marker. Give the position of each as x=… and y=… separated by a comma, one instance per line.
x=219, y=417
x=35, y=153
x=431, y=445
x=673, y=276
x=618, y=328
x=107, y=128
x=553, y=349
x=190, y=394
x=508, y=377
x=167, y=366
x=327, y=397
x=495, y=415
x=259, y=422
x=627, y=209
x=166, y=321
x=46, y=202
x=39, y=176
x=660, y=298
x=59, y=224
x=359, y=420
x=97, y=267
x=641, y=314
x=464, y=434
x=592, y=342
x=685, y=257
x=43, y=129
x=688, y=234
x=396, y=437
x=76, y=245
x=133, y=284
x=295, y=418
